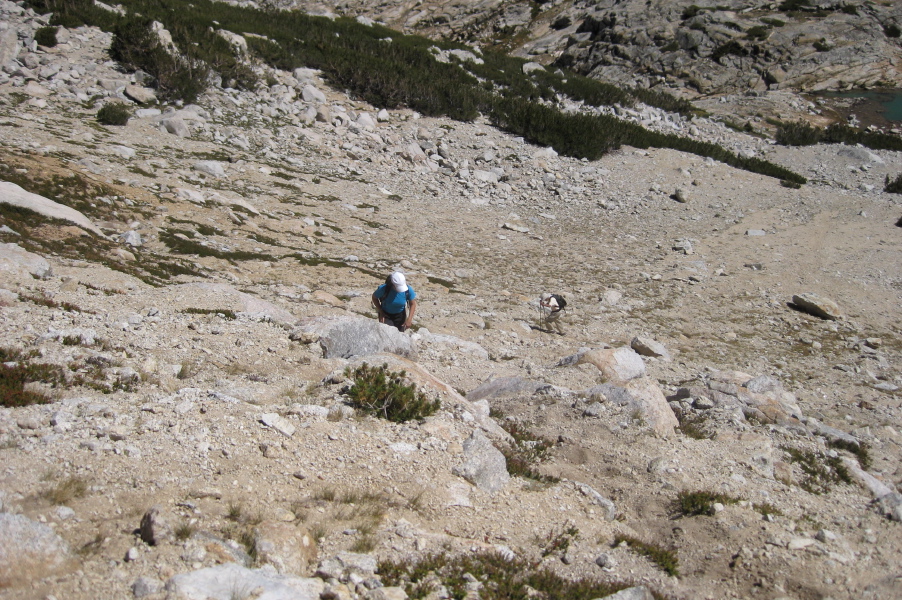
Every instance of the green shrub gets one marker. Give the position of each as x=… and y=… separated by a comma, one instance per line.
x=18, y=372
x=502, y=578
x=46, y=36
x=892, y=30
x=558, y=541
x=893, y=186
x=383, y=393
x=820, y=471
x=175, y=76
x=795, y=5
x=773, y=22
x=732, y=47
x=798, y=133
x=691, y=11
x=793, y=185
x=822, y=45
x=526, y=451
x=758, y=32
x=665, y=559
x=849, y=9
x=114, y=113
x=561, y=22
x=859, y=450
x=691, y=504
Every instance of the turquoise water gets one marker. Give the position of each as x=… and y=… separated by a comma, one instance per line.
x=889, y=102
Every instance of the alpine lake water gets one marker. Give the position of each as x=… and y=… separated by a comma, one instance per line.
x=883, y=106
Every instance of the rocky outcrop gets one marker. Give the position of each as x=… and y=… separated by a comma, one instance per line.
x=13, y=195
x=348, y=337
x=29, y=550
x=692, y=46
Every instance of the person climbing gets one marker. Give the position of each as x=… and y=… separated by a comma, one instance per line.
x=395, y=301
x=555, y=304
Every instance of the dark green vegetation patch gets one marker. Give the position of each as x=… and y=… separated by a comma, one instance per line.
x=501, y=578
x=75, y=191
x=114, y=113
x=821, y=472
x=384, y=68
x=383, y=393
x=800, y=133
x=893, y=186
x=665, y=559
x=16, y=372
x=525, y=452
x=46, y=36
x=701, y=502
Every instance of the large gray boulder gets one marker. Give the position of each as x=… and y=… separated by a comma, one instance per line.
x=22, y=263
x=484, y=465
x=347, y=337
x=9, y=46
x=615, y=364
x=229, y=581
x=29, y=550
x=285, y=546
x=14, y=195
x=640, y=592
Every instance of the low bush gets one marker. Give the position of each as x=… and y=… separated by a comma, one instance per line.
x=690, y=504
x=66, y=491
x=502, y=578
x=665, y=559
x=893, y=186
x=526, y=451
x=798, y=133
x=383, y=393
x=821, y=472
x=758, y=33
x=177, y=74
x=16, y=372
x=732, y=47
x=46, y=36
x=859, y=450
x=892, y=30
x=114, y=113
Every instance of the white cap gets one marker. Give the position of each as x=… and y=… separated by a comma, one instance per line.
x=399, y=282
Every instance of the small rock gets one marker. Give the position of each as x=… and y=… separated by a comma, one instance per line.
x=649, y=347
x=155, y=527
x=817, y=306
x=146, y=586
x=279, y=423
x=681, y=195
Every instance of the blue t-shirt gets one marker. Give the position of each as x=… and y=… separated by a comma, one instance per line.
x=394, y=302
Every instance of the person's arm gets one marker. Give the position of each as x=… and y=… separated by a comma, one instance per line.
x=413, y=310
x=380, y=313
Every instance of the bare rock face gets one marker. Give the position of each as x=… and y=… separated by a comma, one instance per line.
x=19, y=262
x=230, y=580
x=649, y=347
x=287, y=547
x=346, y=337
x=13, y=195
x=484, y=465
x=620, y=364
x=651, y=404
x=29, y=551
x=700, y=50
x=818, y=306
